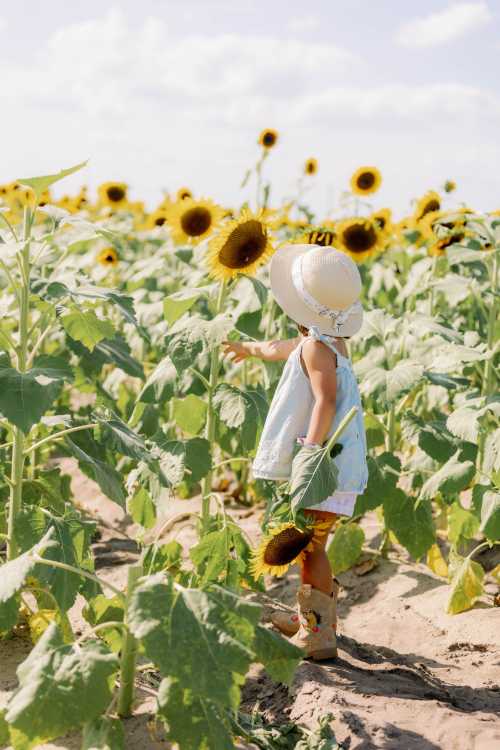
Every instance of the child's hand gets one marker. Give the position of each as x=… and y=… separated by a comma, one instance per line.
x=236, y=351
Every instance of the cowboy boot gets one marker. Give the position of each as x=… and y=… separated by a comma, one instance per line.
x=317, y=618
x=288, y=622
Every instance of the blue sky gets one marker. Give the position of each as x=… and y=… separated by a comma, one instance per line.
x=165, y=93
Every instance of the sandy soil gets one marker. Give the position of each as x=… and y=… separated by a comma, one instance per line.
x=408, y=676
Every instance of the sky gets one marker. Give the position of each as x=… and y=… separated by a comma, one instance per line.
x=166, y=93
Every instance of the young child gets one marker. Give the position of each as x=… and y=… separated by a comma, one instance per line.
x=318, y=288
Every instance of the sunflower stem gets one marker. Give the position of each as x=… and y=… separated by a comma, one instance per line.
x=210, y=425
x=129, y=650
x=492, y=320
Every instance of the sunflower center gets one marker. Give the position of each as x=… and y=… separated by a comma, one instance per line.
x=359, y=238
x=109, y=258
x=196, y=221
x=115, y=193
x=366, y=180
x=432, y=205
x=268, y=139
x=285, y=546
x=244, y=246
x=380, y=221
x=160, y=221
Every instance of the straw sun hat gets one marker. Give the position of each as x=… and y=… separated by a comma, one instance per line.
x=318, y=286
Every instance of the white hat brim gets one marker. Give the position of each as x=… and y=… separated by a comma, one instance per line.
x=291, y=303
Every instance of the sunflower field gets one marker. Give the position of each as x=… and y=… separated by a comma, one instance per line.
x=112, y=329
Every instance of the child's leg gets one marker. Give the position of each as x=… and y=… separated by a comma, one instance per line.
x=316, y=568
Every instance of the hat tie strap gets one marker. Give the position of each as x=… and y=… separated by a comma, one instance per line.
x=336, y=317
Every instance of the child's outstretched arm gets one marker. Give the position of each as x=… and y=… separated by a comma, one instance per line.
x=318, y=362
x=272, y=351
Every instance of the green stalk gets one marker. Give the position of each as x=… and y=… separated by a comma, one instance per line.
x=129, y=651
x=210, y=425
x=488, y=369
x=16, y=477
x=391, y=430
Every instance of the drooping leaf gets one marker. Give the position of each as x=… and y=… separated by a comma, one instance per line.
x=313, y=478
x=114, y=351
x=57, y=675
x=101, y=609
x=453, y=477
x=39, y=184
x=462, y=524
x=108, y=479
x=86, y=327
x=237, y=410
x=159, y=387
x=190, y=413
x=466, y=585
x=436, y=562
x=176, y=304
x=141, y=508
x=103, y=733
x=411, y=523
x=26, y=396
x=279, y=656
x=346, y=547
x=490, y=515
x=383, y=474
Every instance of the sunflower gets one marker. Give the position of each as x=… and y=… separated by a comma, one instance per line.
x=311, y=166
x=366, y=180
x=184, y=193
x=108, y=257
x=240, y=247
x=359, y=238
x=428, y=204
x=113, y=194
x=321, y=237
x=283, y=546
x=268, y=138
x=439, y=247
x=157, y=219
x=192, y=221
x=449, y=186
x=382, y=220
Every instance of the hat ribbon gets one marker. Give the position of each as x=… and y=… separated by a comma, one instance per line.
x=336, y=317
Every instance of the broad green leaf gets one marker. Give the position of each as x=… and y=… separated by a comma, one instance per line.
x=466, y=585
x=12, y=579
x=278, y=655
x=375, y=434
x=114, y=351
x=237, y=410
x=108, y=479
x=175, y=305
x=193, y=722
x=452, y=357
x=313, y=478
x=412, y=524
x=159, y=387
x=491, y=455
x=142, y=509
x=190, y=413
x=345, y=547
x=61, y=687
x=39, y=184
x=123, y=439
x=433, y=437
x=462, y=524
x=490, y=515
x=86, y=327
x=158, y=557
x=383, y=475
x=453, y=477
x=26, y=396
x=104, y=733
x=464, y=421
x=390, y=385
x=101, y=609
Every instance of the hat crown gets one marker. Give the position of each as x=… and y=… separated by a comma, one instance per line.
x=331, y=277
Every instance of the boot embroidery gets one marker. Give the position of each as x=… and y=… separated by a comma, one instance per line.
x=312, y=620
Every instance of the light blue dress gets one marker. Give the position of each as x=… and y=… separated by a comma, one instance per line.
x=289, y=416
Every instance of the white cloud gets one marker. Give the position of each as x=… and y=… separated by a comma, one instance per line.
x=444, y=26
x=3, y=23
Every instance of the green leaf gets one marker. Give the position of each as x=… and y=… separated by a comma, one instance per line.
x=190, y=413
x=39, y=184
x=26, y=396
x=390, y=385
x=114, y=351
x=462, y=524
x=124, y=440
x=453, y=477
x=490, y=515
x=193, y=722
x=237, y=410
x=4, y=730
x=466, y=585
x=383, y=475
x=162, y=557
x=106, y=477
x=345, y=547
x=86, y=327
x=464, y=422
x=142, y=509
x=375, y=434
x=175, y=305
x=104, y=733
x=185, y=457
x=313, y=478
x=279, y=657
x=411, y=523
x=159, y=387
x=433, y=437
x=101, y=609
x=61, y=687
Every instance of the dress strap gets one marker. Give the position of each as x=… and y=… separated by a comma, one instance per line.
x=315, y=334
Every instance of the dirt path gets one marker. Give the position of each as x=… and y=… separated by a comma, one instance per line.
x=408, y=676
